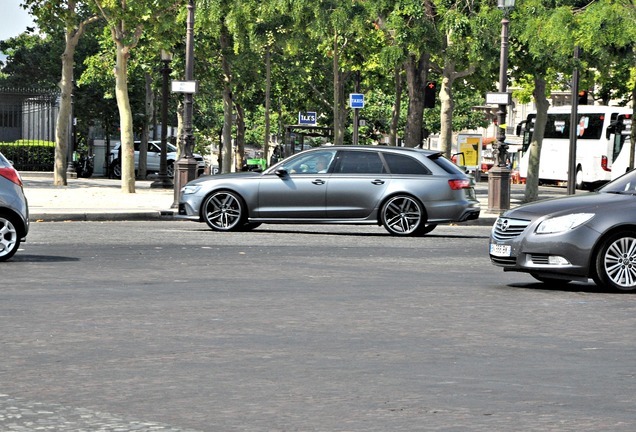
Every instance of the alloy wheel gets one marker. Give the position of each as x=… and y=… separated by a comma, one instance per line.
x=9, y=239
x=616, y=262
x=403, y=215
x=223, y=211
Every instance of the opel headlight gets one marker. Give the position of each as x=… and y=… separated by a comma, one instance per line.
x=190, y=189
x=563, y=223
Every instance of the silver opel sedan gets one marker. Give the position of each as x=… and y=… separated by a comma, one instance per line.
x=408, y=191
x=581, y=237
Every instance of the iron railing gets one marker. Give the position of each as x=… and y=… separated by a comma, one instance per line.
x=27, y=127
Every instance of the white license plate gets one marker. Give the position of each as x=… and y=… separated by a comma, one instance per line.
x=500, y=250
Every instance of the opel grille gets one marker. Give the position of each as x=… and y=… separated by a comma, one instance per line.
x=507, y=228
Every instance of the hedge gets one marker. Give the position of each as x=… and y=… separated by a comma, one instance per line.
x=29, y=155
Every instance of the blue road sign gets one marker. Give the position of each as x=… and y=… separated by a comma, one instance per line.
x=307, y=118
x=356, y=100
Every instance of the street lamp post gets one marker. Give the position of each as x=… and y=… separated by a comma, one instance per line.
x=164, y=181
x=187, y=165
x=499, y=175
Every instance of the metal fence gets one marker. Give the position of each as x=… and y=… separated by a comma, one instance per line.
x=27, y=127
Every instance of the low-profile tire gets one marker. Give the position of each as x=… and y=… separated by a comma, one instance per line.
x=170, y=169
x=403, y=215
x=224, y=211
x=116, y=169
x=9, y=238
x=615, y=262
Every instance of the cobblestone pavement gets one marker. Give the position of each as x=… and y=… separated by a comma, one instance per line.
x=19, y=415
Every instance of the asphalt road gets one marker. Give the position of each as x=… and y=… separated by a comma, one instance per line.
x=167, y=326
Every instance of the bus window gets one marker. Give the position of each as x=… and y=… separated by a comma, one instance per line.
x=594, y=149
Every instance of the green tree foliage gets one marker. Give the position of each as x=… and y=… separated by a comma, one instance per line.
x=69, y=18
x=260, y=63
x=543, y=39
x=126, y=22
x=32, y=61
x=606, y=32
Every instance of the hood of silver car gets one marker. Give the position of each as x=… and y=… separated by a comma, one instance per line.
x=590, y=202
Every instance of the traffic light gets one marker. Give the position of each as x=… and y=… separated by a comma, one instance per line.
x=430, y=94
x=582, y=97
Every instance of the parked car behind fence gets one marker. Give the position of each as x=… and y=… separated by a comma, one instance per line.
x=153, y=159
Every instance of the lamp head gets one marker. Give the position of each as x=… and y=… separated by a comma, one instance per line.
x=166, y=55
x=506, y=5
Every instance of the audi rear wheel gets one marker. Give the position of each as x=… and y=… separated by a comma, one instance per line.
x=403, y=215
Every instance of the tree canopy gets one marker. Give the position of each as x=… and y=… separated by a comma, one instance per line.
x=260, y=63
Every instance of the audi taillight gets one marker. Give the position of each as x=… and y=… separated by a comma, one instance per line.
x=458, y=184
x=11, y=175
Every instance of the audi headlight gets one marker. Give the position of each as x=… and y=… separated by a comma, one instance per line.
x=190, y=189
x=563, y=223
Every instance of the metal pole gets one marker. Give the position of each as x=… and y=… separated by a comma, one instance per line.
x=356, y=122
x=356, y=114
x=164, y=181
x=186, y=165
x=502, y=148
x=189, y=73
x=499, y=176
x=573, y=125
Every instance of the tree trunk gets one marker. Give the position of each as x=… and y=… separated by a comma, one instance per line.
x=62, y=127
x=268, y=88
x=632, y=135
x=240, y=137
x=72, y=34
x=338, y=130
x=227, y=102
x=125, y=120
x=179, y=138
x=397, y=106
x=532, y=179
x=416, y=74
x=447, y=102
x=446, y=114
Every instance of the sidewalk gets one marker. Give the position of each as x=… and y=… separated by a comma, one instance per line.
x=101, y=199
x=94, y=199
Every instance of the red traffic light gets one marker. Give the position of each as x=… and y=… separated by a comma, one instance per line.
x=430, y=94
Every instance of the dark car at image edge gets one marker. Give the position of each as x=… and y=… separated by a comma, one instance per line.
x=408, y=191
x=14, y=210
x=576, y=238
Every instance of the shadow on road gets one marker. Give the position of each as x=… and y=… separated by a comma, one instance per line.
x=582, y=287
x=41, y=258
x=300, y=231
